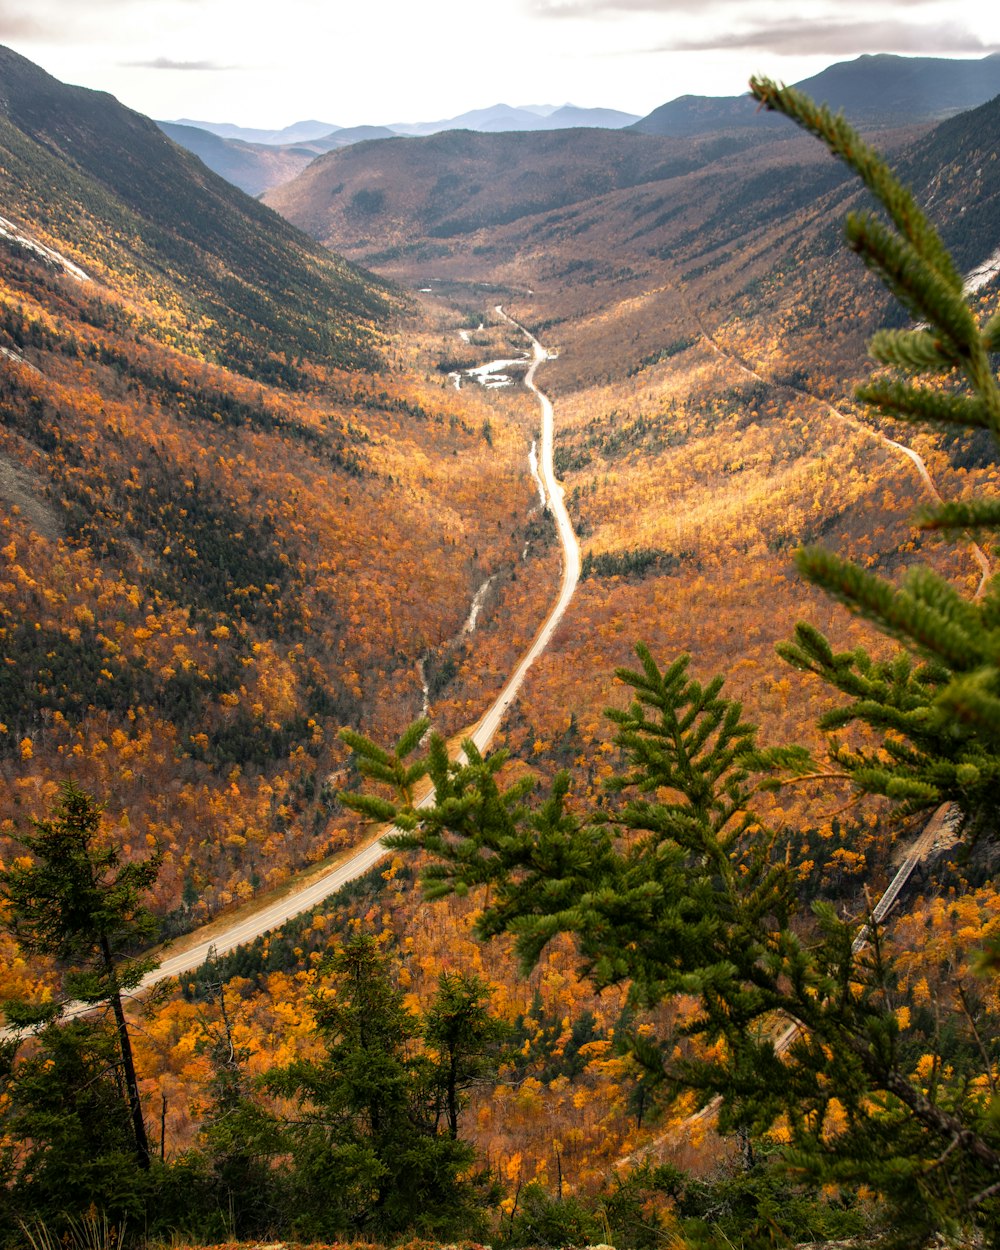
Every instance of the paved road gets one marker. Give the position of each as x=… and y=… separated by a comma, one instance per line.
x=485, y=730
x=219, y=937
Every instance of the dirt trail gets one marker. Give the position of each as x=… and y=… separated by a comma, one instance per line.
x=977, y=553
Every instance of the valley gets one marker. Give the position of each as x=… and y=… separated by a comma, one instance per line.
x=219, y=938
x=252, y=497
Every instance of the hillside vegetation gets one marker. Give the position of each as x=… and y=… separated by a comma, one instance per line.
x=200, y=483
x=710, y=329
x=216, y=273
x=246, y=505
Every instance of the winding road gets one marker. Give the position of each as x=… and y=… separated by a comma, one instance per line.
x=485, y=730
x=977, y=553
x=220, y=936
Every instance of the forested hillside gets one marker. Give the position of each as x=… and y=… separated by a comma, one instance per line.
x=224, y=273
x=211, y=437
x=248, y=498
x=710, y=328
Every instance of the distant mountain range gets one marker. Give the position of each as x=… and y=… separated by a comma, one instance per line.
x=298, y=132
x=257, y=160
x=573, y=200
x=501, y=117
x=873, y=91
x=498, y=117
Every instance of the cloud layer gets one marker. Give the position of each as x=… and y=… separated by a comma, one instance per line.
x=838, y=38
x=386, y=60
x=165, y=62
x=789, y=27
x=63, y=21
x=595, y=8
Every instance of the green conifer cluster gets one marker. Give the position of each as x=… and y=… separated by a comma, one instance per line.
x=677, y=886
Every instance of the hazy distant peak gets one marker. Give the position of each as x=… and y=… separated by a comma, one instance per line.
x=297, y=132
x=875, y=89
x=541, y=110
x=502, y=117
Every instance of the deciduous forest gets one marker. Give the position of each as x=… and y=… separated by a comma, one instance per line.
x=623, y=979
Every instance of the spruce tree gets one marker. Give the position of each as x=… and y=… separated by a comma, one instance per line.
x=238, y=1135
x=465, y=1040
x=680, y=888
x=68, y=1134
x=79, y=903
x=366, y=1154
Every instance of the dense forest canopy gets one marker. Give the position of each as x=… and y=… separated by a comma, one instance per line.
x=246, y=505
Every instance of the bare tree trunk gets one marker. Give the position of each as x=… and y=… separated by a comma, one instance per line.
x=128, y=1065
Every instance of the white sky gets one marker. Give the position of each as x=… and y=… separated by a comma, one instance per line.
x=271, y=62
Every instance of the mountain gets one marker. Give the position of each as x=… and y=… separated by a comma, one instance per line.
x=502, y=117
x=885, y=89
x=347, y=135
x=245, y=505
x=709, y=329
x=271, y=158
x=499, y=117
x=194, y=242
x=583, y=217
x=205, y=460
x=873, y=91
x=954, y=171
x=298, y=132
x=257, y=167
x=372, y=202
x=606, y=119
x=458, y=182
x=253, y=167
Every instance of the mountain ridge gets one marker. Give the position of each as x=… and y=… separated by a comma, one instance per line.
x=874, y=90
x=179, y=223
x=257, y=164
x=202, y=466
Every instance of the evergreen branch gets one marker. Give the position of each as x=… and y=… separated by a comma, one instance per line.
x=914, y=264
x=388, y=767
x=991, y=334
x=961, y=514
x=918, y=286
x=845, y=143
x=973, y=700
x=923, y=585
x=898, y=614
x=919, y=405
x=915, y=350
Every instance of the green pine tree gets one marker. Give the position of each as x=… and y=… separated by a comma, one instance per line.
x=69, y=1141
x=238, y=1136
x=80, y=904
x=464, y=1039
x=679, y=887
x=366, y=1154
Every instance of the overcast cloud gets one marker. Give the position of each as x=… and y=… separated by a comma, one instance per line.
x=385, y=61
x=593, y=8
x=164, y=62
x=851, y=38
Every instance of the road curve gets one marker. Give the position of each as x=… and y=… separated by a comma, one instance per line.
x=977, y=553
x=216, y=939
x=485, y=730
